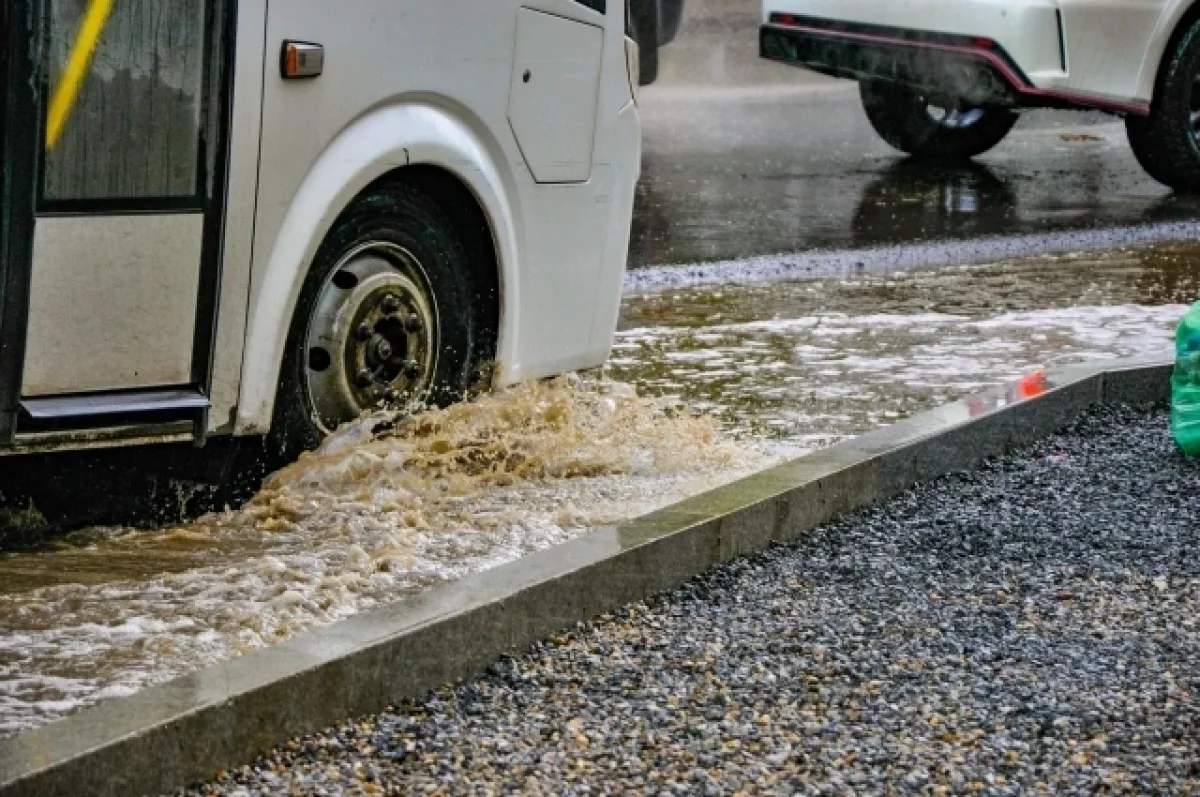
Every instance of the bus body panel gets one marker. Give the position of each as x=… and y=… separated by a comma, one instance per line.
x=405, y=83
x=112, y=303
x=241, y=199
x=626, y=170
x=556, y=65
x=448, y=106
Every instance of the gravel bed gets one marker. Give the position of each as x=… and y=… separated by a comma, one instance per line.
x=1028, y=627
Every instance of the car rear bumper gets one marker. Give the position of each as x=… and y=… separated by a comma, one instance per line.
x=971, y=69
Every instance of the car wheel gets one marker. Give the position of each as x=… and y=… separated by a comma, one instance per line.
x=906, y=120
x=1166, y=142
x=386, y=317
x=645, y=24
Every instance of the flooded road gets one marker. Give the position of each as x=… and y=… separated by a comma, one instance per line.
x=384, y=509
x=707, y=383
x=901, y=286
x=817, y=360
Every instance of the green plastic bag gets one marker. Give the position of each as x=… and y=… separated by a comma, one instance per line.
x=1185, y=384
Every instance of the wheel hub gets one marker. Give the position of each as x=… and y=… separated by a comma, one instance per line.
x=372, y=335
x=954, y=118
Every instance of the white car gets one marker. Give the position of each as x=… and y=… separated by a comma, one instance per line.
x=947, y=78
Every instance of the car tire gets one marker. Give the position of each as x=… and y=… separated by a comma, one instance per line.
x=907, y=121
x=645, y=26
x=351, y=305
x=1166, y=142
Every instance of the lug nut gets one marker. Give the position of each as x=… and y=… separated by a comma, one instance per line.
x=383, y=349
x=413, y=323
x=364, y=331
x=364, y=378
x=390, y=303
x=412, y=368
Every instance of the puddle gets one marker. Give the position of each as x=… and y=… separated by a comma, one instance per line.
x=765, y=370
x=815, y=361
x=379, y=512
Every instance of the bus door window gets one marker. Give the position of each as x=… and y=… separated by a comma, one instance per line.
x=124, y=189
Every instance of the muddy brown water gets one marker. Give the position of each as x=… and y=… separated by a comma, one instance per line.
x=705, y=384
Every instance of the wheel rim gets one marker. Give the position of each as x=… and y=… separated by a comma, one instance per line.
x=954, y=118
x=372, y=335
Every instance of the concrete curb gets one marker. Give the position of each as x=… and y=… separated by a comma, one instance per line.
x=186, y=730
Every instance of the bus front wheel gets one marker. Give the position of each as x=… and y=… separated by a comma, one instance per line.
x=385, y=318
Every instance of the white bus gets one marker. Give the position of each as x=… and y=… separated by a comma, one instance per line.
x=243, y=217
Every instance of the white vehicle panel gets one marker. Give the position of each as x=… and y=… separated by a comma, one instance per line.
x=1027, y=29
x=1168, y=20
x=1112, y=47
x=553, y=93
x=112, y=303
x=447, y=106
x=623, y=182
x=1106, y=43
x=242, y=182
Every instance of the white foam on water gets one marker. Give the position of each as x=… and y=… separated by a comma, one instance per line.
x=846, y=374
x=385, y=508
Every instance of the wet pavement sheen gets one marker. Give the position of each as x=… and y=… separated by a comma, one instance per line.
x=775, y=369
x=743, y=171
x=813, y=361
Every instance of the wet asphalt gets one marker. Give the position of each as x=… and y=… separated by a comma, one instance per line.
x=736, y=172
x=982, y=638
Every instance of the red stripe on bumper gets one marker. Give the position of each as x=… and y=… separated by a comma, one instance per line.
x=1014, y=80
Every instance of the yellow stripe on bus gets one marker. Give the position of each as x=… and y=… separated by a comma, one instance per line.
x=67, y=90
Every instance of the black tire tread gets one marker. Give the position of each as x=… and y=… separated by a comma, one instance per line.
x=1164, y=142
x=418, y=216
x=899, y=116
x=645, y=24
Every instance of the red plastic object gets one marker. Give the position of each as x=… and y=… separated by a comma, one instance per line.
x=1032, y=385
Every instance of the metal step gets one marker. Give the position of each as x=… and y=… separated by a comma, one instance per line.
x=128, y=402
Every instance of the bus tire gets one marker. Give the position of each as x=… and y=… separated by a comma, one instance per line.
x=1167, y=142
x=904, y=119
x=386, y=316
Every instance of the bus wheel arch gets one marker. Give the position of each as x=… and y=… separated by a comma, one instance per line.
x=423, y=148
x=400, y=304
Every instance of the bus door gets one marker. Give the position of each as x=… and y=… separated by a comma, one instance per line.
x=123, y=263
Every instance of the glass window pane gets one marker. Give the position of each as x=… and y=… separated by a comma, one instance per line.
x=134, y=130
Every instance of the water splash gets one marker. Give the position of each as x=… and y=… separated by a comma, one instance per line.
x=385, y=508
